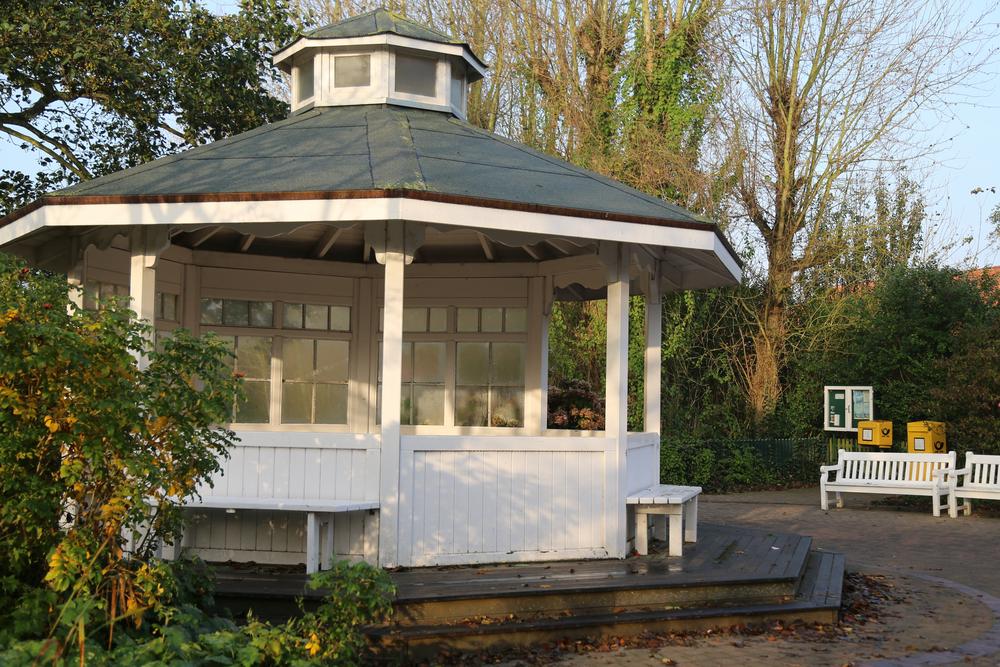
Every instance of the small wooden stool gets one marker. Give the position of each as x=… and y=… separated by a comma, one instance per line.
x=678, y=504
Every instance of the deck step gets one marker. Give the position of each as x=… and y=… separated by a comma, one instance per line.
x=817, y=600
x=728, y=568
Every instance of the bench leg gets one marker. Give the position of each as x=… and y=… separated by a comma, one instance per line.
x=840, y=501
x=967, y=507
x=691, y=520
x=312, y=543
x=326, y=559
x=676, y=546
x=936, y=505
x=641, y=532
x=824, y=497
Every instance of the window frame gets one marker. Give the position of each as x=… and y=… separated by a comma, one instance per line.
x=278, y=334
x=451, y=338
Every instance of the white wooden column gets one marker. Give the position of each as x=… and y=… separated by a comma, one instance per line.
x=654, y=355
x=145, y=247
x=392, y=362
x=536, y=384
x=616, y=401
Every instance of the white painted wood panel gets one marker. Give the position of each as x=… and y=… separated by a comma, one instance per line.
x=642, y=461
x=493, y=499
x=286, y=465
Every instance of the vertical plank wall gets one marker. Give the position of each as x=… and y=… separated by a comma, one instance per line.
x=492, y=499
x=273, y=465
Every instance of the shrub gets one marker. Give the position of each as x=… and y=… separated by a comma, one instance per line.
x=95, y=454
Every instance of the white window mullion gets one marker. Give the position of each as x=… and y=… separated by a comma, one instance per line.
x=277, y=346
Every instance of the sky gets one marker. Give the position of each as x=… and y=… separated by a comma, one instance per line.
x=968, y=161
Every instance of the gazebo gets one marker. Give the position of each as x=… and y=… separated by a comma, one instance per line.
x=384, y=272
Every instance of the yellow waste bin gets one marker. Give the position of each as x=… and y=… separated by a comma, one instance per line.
x=876, y=433
x=926, y=438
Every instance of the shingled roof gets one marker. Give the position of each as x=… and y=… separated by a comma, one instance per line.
x=379, y=22
x=378, y=147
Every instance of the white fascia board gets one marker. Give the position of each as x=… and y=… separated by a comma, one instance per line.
x=381, y=40
x=305, y=211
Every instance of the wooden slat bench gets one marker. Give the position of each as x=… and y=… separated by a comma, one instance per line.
x=317, y=510
x=980, y=479
x=678, y=504
x=889, y=473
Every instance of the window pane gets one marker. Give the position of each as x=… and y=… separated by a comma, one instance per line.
x=507, y=407
x=407, y=362
x=340, y=318
x=306, y=79
x=508, y=364
x=414, y=319
x=439, y=319
x=331, y=404
x=468, y=319
x=473, y=363
x=170, y=307
x=230, y=342
x=255, y=407
x=253, y=356
x=332, y=358
x=261, y=314
x=415, y=75
x=297, y=359
x=211, y=311
x=406, y=404
x=428, y=404
x=351, y=71
x=235, y=313
x=492, y=319
x=428, y=362
x=517, y=320
x=293, y=316
x=107, y=291
x=457, y=87
x=470, y=406
x=296, y=403
x=317, y=317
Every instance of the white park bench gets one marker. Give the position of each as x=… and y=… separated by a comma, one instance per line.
x=888, y=473
x=678, y=504
x=980, y=479
x=318, y=510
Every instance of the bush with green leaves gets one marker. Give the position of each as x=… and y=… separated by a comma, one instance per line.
x=181, y=632
x=95, y=454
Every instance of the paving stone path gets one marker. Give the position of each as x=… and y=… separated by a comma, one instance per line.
x=946, y=570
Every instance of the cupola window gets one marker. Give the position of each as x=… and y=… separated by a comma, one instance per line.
x=305, y=80
x=352, y=71
x=416, y=75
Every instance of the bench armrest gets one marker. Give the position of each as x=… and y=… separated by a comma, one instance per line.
x=826, y=469
x=954, y=473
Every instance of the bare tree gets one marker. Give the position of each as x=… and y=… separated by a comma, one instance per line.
x=822, y=91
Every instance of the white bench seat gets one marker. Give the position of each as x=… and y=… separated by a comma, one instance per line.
x=980, y=480
x=318, y=510
x=890, y=473
x=676, y=504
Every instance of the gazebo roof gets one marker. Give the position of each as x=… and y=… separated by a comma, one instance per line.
x=362, y=149
x=379, y=22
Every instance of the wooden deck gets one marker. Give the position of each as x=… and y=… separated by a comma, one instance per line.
x=729, y=576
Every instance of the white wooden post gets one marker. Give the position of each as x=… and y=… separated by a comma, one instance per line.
x=392, y=362
x=145, y=248
x=537, y=361
x=652, y=379
x=652, y=368
x=616, y=401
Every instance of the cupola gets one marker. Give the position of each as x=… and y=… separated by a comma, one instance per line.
x=380, y=58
